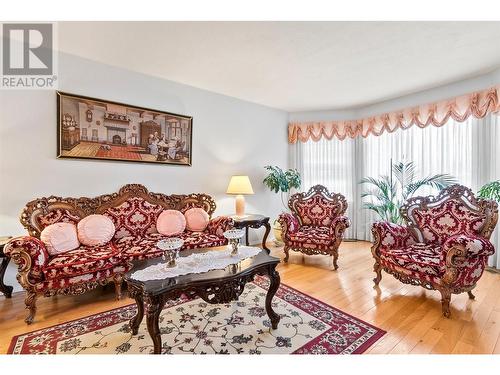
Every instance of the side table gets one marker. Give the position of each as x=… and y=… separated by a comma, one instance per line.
x=5, y=289
x=253, y=221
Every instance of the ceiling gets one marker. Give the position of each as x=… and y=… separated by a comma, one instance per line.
x=294, y=66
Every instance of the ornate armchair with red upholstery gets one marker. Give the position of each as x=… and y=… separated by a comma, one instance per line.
x=445, y=245
x=316, y=224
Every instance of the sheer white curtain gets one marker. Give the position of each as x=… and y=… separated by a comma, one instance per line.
x=469, y=151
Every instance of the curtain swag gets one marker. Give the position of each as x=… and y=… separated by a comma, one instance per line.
x=478, y=104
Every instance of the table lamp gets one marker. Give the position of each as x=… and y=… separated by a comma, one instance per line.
x=240, y=185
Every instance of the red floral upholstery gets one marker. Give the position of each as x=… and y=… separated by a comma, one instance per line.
x=418, y=257
x=289, y=224
x=137, y=248
x=316, y=211
x=316, y=224
x=474, y=245
x=437, y=222
x=36, y=251
x=392, y=235
x=408, y=274
x=311, y=235
x=195, y=240
x=85, y=259
x=445, y=245
x=219, y=225
x=80, y=282
x=58, y=215
x=134, y=217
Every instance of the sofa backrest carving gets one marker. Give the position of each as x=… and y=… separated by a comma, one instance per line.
x=133, y=209
x=455, y=210
x=317, y=207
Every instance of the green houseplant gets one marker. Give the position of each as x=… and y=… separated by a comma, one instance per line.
x=282, y=182
x=491, y=190
x=386, y=194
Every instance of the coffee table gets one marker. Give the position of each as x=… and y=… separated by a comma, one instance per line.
x=217, y=286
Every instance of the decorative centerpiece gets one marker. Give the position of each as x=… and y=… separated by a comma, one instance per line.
x=234, y=236
x=170, y=247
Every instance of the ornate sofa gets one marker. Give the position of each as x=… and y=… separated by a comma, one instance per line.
x=316, y=223
x=444, y=246
x=133, y=210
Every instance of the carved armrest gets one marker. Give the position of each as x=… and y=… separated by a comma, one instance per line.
x=339, y=225
x=469, y=245
x=289, y=224
x=390, y=236
x=463, y=258
x=31, y=256
x=219, y=225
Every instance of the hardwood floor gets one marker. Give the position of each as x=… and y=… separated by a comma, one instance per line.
x=410, y=315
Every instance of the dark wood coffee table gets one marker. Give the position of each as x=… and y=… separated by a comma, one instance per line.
x=217, y=286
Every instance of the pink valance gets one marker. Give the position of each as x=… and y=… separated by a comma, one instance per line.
x=477, y=104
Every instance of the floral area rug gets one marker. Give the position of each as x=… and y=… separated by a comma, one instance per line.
x=307, y=326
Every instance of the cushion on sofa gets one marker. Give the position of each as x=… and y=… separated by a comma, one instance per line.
x=140, y=247
x=170, y=223
x=98, y=275
x=197, y=219
x=198, y=240
x=85, y=259
x=60, y=238
x=312, y=235
x=95, y=230
x=418, y=257
x=137, y=248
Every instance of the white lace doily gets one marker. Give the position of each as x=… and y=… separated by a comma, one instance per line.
x=196, y=263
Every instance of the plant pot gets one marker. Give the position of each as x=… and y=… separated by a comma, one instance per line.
x=277, y=232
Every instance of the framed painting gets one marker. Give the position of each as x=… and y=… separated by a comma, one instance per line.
x=90, y=128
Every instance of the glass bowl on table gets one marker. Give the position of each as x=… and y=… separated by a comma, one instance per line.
x=234, y=236
x=171, y=248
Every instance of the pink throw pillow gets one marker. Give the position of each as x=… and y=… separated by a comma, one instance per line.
x=60, y=238
x=196, y=219
x=171, y=222
x=95, y=230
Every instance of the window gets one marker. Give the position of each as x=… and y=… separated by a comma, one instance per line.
x=469, y=151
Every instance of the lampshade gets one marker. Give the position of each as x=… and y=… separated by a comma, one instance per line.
x=239, y=185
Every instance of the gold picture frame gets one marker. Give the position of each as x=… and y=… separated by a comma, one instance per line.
x=98, y=129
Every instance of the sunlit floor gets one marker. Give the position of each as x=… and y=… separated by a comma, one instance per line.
x=410, y=315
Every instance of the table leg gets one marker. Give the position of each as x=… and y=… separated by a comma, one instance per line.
x=274, y=277
x=154, y=307
x=6, y=289
x=264, y=240
x=135, y=322
x=246, y=236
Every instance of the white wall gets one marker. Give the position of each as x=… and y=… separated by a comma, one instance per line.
x=230, y=136
x=451, y=90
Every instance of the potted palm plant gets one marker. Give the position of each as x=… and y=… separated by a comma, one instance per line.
x=388, y=193
x=282, y=182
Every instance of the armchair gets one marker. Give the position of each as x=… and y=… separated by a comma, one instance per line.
x=445, y=245
x=316, y=223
